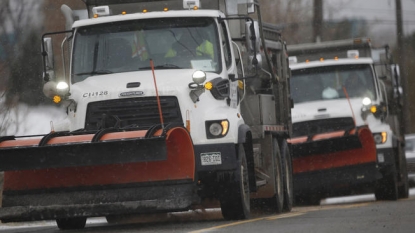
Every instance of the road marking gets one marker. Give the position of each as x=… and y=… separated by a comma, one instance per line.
x=280, y=216
x=301, y=211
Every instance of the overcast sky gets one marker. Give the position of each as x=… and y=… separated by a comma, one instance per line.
x=381, y=14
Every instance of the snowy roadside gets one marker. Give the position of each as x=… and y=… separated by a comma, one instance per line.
x=27, y=120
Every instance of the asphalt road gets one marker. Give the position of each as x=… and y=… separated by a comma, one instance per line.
x=345, y=214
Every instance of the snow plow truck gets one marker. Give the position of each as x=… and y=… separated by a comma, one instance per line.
x=347, y=130
x=169, y=103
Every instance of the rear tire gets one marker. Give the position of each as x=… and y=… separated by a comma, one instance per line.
x=71, y=223
x=235, y=202
x=288, y=177
x=403, y=188
x=276, y=203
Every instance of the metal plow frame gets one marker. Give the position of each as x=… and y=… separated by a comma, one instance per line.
x=135, y=182
x=331, y=150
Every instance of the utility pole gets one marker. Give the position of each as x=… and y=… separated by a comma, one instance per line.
x=317, y=20
x=402, y=63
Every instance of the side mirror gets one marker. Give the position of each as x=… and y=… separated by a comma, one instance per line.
x=48, y=59
x=52, y=89
x=253, y=42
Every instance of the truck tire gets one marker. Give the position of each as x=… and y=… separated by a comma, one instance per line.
x=276, y=203
x=403, y=188
x=71, y=223
x=235, y=202
x=288, y=177
x=387, y=187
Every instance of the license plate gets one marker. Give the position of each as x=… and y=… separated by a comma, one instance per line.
x=211, y=158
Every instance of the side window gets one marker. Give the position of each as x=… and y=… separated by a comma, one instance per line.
x=226, y=46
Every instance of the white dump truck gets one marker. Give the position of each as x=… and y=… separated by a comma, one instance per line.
x=344, y=92
x=169, y=103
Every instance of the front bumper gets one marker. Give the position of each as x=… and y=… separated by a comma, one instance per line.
x=342, y=180
x=97, y=201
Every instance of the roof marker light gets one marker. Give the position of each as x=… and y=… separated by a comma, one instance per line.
x=189, y=4
x=123, y=13
x=292, y=59
x=166, y=9
x=321, y=59
x=101, y=11
x=145, y=11
x=353, y=54
x=336, y=58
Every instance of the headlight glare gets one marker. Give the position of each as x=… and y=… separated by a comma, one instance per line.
x=380, y=138
x=217, y=128
x=366, y=101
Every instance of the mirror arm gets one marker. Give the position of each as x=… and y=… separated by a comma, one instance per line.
x=46, y=77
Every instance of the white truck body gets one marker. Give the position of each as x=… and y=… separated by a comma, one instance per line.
x=322, y=91
x=211, y=111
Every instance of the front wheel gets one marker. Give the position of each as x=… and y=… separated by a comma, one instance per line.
x=387, y=187
x=235, y=201
x=288, y=177
x=403, y=188
x=71, y=223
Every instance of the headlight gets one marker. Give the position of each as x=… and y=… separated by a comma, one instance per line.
x=380, y=138
x=366, y=101
x=217, y=129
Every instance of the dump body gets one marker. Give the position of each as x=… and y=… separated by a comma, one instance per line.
x=336, y=86
x=160, y=102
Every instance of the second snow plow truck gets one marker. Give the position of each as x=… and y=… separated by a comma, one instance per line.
x=169, y=103
x=347, y=135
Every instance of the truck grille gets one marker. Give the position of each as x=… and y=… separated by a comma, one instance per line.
x=322, y=126
x=142, y=112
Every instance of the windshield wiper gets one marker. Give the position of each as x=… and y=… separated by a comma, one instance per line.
x=96, y=72
x=165, y=66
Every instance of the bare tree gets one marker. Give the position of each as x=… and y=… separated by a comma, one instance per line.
x=18, y=20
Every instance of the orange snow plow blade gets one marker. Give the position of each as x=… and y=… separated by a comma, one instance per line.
x=64, y=175
x=331, y=150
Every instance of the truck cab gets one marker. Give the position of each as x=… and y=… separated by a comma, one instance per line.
x=338, y=85
x=188, y=99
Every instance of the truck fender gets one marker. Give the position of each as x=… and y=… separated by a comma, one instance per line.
x=243, y=131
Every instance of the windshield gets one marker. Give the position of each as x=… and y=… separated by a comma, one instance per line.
x=173, y=43
x=332, y=82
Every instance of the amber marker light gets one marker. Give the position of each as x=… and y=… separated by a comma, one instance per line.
x=166, y=9
x=225, y=126
x=145, y=11
x=336, y=58
x=57, y=99
x=208, y=86
x=195, y=8
x=240, y=84
x=123, y=13
x=373, y=109
x=307, y=61
x=384, y=136
x=321, y=59
x=96, y=16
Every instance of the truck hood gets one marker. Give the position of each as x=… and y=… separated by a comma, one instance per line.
x=327, y=109
x=133, y=84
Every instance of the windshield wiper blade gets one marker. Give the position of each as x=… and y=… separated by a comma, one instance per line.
x=164, y=66
x=96, y=72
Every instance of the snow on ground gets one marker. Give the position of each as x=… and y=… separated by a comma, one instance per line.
x=27, y=120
